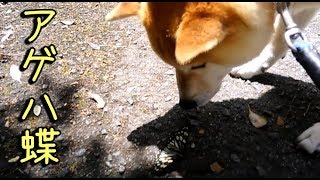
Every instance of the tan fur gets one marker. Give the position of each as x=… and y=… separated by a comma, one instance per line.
x=186, y=34
x=223, y=35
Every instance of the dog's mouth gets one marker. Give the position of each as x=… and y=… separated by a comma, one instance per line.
x=197, y=101
x=191, y=104
x=188, y=104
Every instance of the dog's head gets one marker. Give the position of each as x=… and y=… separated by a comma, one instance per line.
x=202, y=40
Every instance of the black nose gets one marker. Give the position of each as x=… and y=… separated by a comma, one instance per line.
x=187, y=104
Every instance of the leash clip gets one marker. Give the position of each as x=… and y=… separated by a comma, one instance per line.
x=292, y=33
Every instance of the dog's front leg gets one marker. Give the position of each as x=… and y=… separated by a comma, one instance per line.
x=273, y=51
x=310, y=139
x=277, y=47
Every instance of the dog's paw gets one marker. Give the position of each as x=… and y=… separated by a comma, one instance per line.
x=310, y=139
x=247, y=71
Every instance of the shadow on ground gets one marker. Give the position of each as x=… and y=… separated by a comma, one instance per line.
x=227, y=136
x=10, y=136
x=93, y=166
x=230, y=139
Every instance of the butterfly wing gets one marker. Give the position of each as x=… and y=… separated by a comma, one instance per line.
x=173, y=149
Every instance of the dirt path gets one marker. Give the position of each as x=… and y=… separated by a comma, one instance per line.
x=123, y=138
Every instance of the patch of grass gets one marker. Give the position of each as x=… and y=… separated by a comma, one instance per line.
x=65, y=70
x=73, y=167
x=81, y=102
x=7, y=90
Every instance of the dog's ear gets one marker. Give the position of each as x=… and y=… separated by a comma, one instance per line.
x=197, y=35
x=122, y=10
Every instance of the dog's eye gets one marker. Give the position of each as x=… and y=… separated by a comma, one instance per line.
x=198, y=67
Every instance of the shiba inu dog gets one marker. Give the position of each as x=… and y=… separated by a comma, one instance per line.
x=205, y=41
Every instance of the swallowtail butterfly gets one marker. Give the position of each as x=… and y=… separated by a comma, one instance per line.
x=173, y=150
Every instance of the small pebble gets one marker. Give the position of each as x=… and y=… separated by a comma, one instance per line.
x=235, y=158
x=104, y=131
x=7, y=124
x=121, y=169
x=15, y=159
x=168, y=98
x=261, y=171
x=80, y=152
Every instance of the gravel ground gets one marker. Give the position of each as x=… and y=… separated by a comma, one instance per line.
x=115, y=61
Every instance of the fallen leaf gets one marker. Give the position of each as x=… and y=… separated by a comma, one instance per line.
x=15, y=72
x=169, y=72
x=105, y=109
x=201, y=131
x=216, y=168
x=9, y=27
x=130, y=89
x=68, y=23
x=37, y=110
x=8, y=11
x=98, y=99
x=94, y=46
x=130, y=101
x=7, y=124
x=168, y=98
x=280, y=121
x=15, y=159
x=6, y=35
x=256, y=119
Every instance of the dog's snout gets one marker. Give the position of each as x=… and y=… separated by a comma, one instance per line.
x=187, y=104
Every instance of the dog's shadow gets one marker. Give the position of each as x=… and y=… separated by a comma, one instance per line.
x=222, y=132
